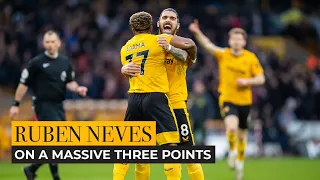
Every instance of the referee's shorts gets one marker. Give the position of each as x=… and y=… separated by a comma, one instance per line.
x=49, y=111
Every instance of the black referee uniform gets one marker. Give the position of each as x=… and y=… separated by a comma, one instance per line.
x=47, y=77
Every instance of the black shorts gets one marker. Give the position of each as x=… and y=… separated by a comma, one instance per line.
x=49, y=111
x=154, y=107
x=184, y=125
x=243, y=113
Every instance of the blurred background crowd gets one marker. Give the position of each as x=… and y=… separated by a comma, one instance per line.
x=94, y=31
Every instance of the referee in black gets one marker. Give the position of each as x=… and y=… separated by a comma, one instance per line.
x=48, y=75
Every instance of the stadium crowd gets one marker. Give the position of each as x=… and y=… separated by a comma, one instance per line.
x=93, y=33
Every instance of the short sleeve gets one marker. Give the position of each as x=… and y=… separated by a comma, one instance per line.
x=70, y=73
x=219, y=53
x=125, y=59
x=28, y=73
x=167, y=36
x=256, y=67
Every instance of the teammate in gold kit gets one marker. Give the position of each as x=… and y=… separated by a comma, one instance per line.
x=147, y=94
x=239, y=69
x=177, y=62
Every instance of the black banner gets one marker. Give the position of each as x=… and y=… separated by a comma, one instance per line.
x=108, y=154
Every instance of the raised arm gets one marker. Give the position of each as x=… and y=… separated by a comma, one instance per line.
x=203, y=40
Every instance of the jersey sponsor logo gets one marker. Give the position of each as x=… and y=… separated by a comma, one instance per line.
x=236, y=70
x=45, y=65
x=63, y=76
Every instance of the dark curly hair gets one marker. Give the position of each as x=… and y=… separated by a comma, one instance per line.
x=141, y=21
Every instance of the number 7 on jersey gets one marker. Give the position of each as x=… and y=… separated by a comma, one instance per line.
x=143, y=62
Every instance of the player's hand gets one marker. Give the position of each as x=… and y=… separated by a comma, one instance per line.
x=243, y=82
x=194, y=27
x=162, y=41
x=14, y=111
x=131, y=69
x=82, y=91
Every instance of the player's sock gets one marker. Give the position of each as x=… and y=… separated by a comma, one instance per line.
x=242, y=144
x=195, y=172
x=34, y=167
x=142, y=171
x=239, y=170
x=30, y=175
x=54, y=171
x=232, y=138
x=120, y=171
x=172, y=171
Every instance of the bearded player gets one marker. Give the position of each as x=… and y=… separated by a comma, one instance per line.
x=147, y=93
x=177, y=62
x=240, y=70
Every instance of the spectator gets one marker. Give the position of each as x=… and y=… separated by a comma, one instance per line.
x=201, y=107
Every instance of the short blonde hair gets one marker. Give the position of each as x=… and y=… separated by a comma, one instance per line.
x=238, y=31
x=140, y=21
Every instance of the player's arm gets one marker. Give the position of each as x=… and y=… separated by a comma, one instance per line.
x=257, y=80
x=258, y=77
x=203, y=40
x=178, y=54
x=128, y=69
x=185, y=44
x=72, y=85
x=179, y=47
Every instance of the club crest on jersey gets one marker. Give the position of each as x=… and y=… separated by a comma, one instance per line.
x=63, y=76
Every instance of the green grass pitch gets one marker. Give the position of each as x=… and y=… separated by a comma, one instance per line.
x=255, y=169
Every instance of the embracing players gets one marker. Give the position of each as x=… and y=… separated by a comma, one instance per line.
x=239, y=71
x=148, y=88
x=177, y=62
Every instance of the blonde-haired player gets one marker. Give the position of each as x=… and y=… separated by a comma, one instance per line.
x=239, y=69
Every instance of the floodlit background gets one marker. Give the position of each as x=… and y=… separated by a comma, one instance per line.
x=283, y=34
